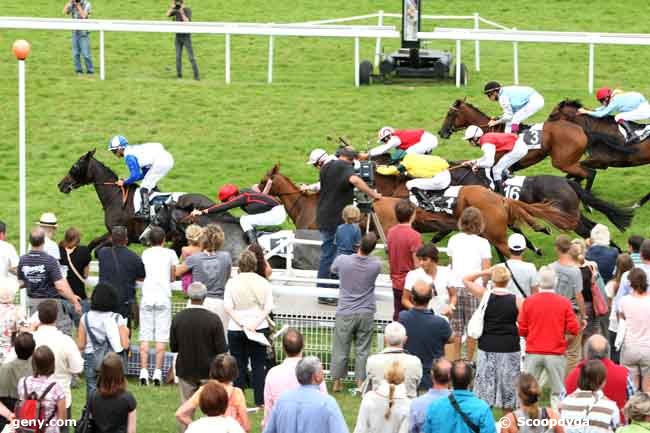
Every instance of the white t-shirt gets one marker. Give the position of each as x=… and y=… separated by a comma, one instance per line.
x=213, y=424
x=104, y=324
x=466, y=253
x=441, y=282
x=8, y=258
x=52, y=249
x=525, y=273
x=156, y=288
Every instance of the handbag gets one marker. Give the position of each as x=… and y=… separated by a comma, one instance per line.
x=74, y=269
x=475, y=324
x=620, y=334
x=598, y=300
x=86, y=424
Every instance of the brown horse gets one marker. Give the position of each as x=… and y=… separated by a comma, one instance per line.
x=562, y=141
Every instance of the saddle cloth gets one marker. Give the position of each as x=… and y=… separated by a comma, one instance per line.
x=642, y=131
x=532, y=137
x=513, y=186
x=440, y=201
x=155, y=198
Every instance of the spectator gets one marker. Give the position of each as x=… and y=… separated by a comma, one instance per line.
x=569, y=285
x=306, y=408
x=155, y=305
x=113, y=407
x=42, y=384
x=522, y=272
x=588, y=404
x=182, y=13
x=68, y=360
x=223, y=371
x=282, y=377
x=499, y=356
x=49, y=224
x=440, y=376
x=11, y=372
x=41, y=276
x=75, y=259
x=105, y=326
x=634, y=243
x=529, y=393
x=544, y=321
x=212, y=268
x=121, y=268
x=80, y=10
x=390, y=400
x=264, y=269
x=461, y=411
x=197, y=336
x=623, y=264
x=193, y=234
x=468, y=252
x=394, y=340
x=637, y=410
x=10, y=316
x=625, y=288
x=403, y=243
x=635, y=353
x=589, y=273
x=427, y=333
x=8, y=255
x=248, y=301
x=438, y=277
x=348, y=234
x=355, y=312
x=619, y=386
x=214, y=403
x=601, y=253
x=317, y=158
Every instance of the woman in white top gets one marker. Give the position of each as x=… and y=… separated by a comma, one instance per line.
x=248, y=301
x=10, y=317
x=439, y=277
x=386, y=410
x=213, y=403
x=623, y=264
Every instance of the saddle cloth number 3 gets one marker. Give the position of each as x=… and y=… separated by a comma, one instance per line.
x=533, y=137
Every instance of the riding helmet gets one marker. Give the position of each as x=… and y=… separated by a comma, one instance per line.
x=603, y=92
x=491, y=86
x=227, y=192
x=117, y=142
x=384, y=133
x=473, y=132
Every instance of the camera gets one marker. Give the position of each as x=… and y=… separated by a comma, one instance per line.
x=77, y=1
x=178, y=4
x=366, y=171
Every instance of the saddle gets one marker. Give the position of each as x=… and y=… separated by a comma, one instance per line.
x=437, y=201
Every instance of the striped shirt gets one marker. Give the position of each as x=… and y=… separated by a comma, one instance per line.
x=593, y=407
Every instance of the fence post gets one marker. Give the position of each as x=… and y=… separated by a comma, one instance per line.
x=380, y=22
x=227, y=58
x=270, y=75
x=102, y=72
x=458, y=63
x=356, y=61
x=515, y=60
x=477, y=44
x=591, y=68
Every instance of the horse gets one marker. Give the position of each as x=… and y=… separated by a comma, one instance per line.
x=562, y=141
x=118, y=207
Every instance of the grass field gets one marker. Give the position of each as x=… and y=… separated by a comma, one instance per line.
x=233, y=133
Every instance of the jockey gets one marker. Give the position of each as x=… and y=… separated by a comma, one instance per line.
x=518, y=103
x=148, y=162
x=430, y=173
x=317, y=158
x=261, y=209
x=628, y=105
x=491, y=143
x=408, y=140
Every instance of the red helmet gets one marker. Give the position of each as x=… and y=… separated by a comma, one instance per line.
x=227, y=192
x=603, y=92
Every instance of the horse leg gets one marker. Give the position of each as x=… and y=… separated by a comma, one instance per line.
x=529, y=243
x=590, y=179
x=99, y=242
x=641, y=202
x=583, y=229
x=440, y=235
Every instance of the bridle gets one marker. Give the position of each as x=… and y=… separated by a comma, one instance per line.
x=281, y=194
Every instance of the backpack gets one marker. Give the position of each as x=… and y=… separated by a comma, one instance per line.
x=30, y=411
x=99, y=349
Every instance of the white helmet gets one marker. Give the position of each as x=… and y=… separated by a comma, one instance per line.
x=316, y=156
x=473, y=132
x=384, y=133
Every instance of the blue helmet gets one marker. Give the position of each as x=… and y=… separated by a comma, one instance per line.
x=117, y=142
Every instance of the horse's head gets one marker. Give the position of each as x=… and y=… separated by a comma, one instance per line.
x=565, y=110
x=461, y=114
x=79, y=174
x=271, y=176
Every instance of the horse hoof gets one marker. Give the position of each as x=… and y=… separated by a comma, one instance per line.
x=546, y=231
x=636, y=205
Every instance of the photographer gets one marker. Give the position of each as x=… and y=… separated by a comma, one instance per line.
x=180, y=12
x=80, y=10
x=338, y=181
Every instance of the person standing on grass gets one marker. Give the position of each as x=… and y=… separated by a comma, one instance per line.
x=76, y=259
x=529, y=393
x=80, y=10
x=155, y=305
x=355, y=312
x=11, y=372
x=193, y=234
x=8, y=255
x=11, y=316
x=623, y=265
x=441, y=379
x=112, y=406
x=181, y=13
x=521, y=271
x=403, y=243
x=214, y=404
x=634, y=243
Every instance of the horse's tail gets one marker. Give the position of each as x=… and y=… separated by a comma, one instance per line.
x=599, y=139
x=620, y=217
x=530, y=212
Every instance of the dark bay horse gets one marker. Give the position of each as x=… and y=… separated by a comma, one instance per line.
x=562, y=141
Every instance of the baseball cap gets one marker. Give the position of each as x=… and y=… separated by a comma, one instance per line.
x=48, y=219
x=197, y=291
x=517, y=242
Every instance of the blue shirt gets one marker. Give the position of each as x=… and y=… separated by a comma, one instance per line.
x=306, y=410
x=428, y=333
x=620, y=103
x=347, y=239
x=442, y=417
x=605, y=257
x=517, y=96
x=419, y=406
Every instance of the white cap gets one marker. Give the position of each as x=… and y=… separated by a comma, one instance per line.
x=517, y=242
x=473, y=132
x=316, y=155
x=48, y=219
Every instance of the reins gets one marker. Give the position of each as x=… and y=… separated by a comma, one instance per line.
x=125, y=191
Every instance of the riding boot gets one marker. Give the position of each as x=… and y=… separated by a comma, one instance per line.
x=630, y=136
x=498, y=186
x=251, y=236
x=144, y=206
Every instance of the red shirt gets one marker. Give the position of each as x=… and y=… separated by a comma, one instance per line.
x=502, y=141
x=403, y=242
x=408, y=137
x=544, y=319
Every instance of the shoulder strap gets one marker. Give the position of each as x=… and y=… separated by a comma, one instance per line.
x=49, y=387
x=463, y=415
x=117, y=264
x=74, y=269
x=93, y=339
x=514, y=280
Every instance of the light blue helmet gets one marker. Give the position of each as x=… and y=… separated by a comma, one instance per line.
x=117, y=142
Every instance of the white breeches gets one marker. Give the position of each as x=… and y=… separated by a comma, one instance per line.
x=535, y=103
x=161, y=166
x=438, y=182
x=427, y=143
x=273, y=217
x=641, y=112
x=509, y=159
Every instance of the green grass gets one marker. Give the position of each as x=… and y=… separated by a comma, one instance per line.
x=233, y=133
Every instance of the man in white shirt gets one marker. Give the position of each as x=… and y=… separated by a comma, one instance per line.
x=49, y=224
x=155, y=305
x=8, y=255
x=523, y=272
x=68, y=360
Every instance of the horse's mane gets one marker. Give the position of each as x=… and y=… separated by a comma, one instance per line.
x=571, y=103
x=104, y=167
x=474, y=107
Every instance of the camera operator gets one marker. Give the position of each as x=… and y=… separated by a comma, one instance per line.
x=338, y=181
x=80, y=10
x=180, y=12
